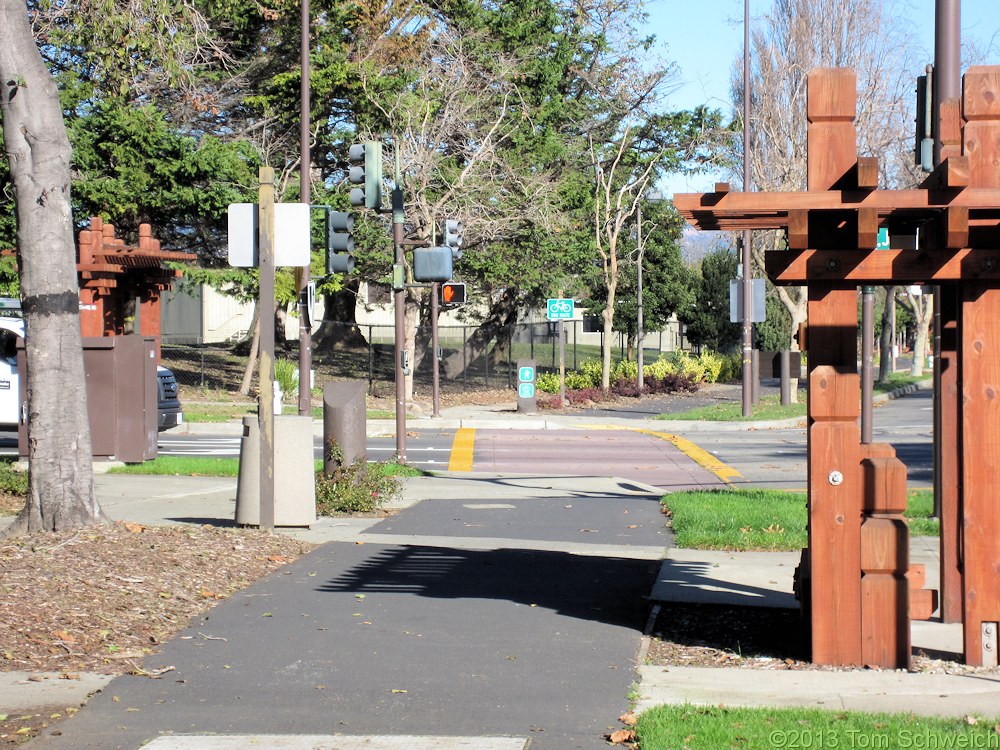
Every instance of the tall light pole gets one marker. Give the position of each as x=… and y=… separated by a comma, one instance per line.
x=653, y=196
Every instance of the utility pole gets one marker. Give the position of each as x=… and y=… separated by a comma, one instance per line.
x=399, y=302
x=747, y=255
x=302, y=275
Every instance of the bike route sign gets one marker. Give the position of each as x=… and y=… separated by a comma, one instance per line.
x=559, y=309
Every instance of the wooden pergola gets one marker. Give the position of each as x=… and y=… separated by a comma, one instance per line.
x=856, y=584
x=112, y=274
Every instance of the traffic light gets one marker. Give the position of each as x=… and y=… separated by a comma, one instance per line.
x=366, y=169
x=432, y=263
x=339, y=242
x=453, y=237
x=453, y=293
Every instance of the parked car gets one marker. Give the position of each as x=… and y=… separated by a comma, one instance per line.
x=170, y=413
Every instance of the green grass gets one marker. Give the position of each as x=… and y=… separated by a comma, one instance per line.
x=763, y=520
x=196, y=412
x=770, y=408
x=230, y=467
x=717, y=728
x=184, y=466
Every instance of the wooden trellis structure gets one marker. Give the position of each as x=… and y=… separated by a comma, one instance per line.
x=112, y=274
x=859, y=591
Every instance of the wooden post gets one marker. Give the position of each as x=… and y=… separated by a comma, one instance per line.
x=979, y=377
x=265, y=372
x=835, y=487
x=947, y=480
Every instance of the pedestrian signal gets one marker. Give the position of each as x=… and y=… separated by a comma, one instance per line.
x=453, y=293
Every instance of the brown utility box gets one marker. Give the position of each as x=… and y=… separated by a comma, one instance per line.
x=122, y=398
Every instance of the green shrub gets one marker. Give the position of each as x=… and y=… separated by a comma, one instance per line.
x=12, y=481
x=712, y=364
x=626, y=370
x=354, y=488
x=659, y=369
x=577, y=380
x=286, y=374
x=548, y=382
x=591, y=369
x=732, y=367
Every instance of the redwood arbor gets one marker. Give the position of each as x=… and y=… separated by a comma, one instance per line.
x=113, y=273
x=859, y=590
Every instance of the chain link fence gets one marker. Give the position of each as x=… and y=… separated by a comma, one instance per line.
x=464, y=365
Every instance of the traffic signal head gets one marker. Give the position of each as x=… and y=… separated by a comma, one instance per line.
x=453, y=237
x=366, y=170
x=453, y=293
x=432, y=264
x=339, y=242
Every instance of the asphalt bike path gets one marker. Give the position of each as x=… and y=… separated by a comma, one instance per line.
x=518, y=619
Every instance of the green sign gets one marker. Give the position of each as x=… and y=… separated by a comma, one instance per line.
x=526, y=374
x=559, y=309
x=526, y=390
x=882, y=243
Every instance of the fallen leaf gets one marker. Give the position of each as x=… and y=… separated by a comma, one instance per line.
x=628, y=719
x=396, y=690
x=622, y=735
x=267, y=614
x=971, y=720
x=65, y=636
x=135, y=528
x=633, y=526
x=277, y=558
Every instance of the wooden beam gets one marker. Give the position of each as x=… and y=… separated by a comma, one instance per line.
x=881, y=266
x=737, y=211
x=950, y=174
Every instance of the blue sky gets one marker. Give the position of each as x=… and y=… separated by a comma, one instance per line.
x=704, y=36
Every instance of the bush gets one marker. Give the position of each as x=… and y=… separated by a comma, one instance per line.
x=577, y=380
x=355, y=488
x=548, y=382
x=659, y=369
x=711, y=364
x=12, y=481
x=286, y=374
x=626, y=370
x=591, y=370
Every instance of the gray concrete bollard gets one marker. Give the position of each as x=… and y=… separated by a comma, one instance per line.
x=345, y=421
x=294, y=473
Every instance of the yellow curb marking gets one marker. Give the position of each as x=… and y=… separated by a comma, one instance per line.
x=699, y=455
x=461, y=449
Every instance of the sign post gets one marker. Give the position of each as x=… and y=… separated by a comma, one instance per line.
x=560, y=310
x=526, y=386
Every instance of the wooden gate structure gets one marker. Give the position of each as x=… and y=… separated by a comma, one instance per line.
x=112, y=273
x=857, y=588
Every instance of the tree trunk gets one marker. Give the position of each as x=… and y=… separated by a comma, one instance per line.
x=60, y=481
x=923, y=314
x=339, y=326
x=886, y=339
x=252, y=357
x=609, y=322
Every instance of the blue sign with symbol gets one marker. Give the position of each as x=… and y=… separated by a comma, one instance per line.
x=526, y=374
x=526, y=390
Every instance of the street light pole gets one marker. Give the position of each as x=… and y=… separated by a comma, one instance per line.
x=302, y=275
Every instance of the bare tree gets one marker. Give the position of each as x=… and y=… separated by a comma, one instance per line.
x=870, y=36
x=61, y=485
x=451, y=128
x=619, y=186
